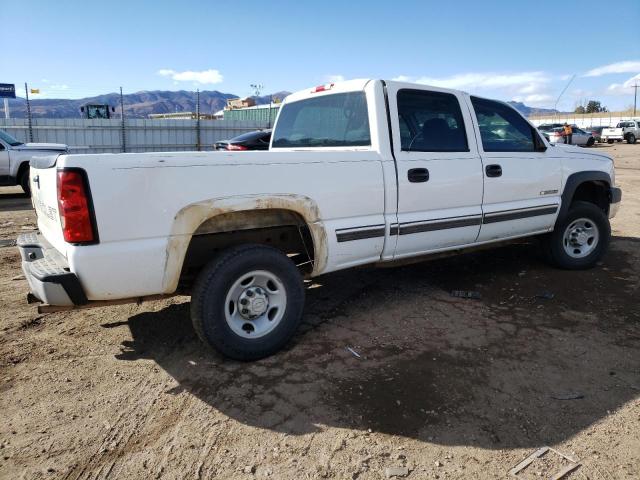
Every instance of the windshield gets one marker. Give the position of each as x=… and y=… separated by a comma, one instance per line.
x=5, y=137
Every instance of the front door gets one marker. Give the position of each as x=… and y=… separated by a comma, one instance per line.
x=4, y=163
x=439, y=170
x=522, y=177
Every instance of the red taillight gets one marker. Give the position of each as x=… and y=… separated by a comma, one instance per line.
x=231, y=146
x=73, y=204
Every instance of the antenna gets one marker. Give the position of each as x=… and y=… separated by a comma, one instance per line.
x=257, y=89
x=563, y=90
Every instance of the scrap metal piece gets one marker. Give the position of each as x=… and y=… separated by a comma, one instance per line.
x=539, y=453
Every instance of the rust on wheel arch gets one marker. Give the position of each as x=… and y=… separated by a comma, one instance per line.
x=200, y=218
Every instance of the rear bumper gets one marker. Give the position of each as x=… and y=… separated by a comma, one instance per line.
x=47, y=272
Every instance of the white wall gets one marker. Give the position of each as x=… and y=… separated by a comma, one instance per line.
x=583, y=121
x=142, y=135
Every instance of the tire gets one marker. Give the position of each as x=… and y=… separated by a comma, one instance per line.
x=594, y=224
x=224, y=324
x=590, y=142
x=631, y=138
x=609, y=141
x=24, y=181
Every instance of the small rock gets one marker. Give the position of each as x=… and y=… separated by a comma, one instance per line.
x=396, y=472
x=438, y=463
x=249, y=469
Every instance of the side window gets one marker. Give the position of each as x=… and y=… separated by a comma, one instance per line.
x=338, y=120
x=1, y=147
x=502, y=129
x=430, y=122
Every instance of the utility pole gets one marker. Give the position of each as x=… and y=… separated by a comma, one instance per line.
x=26, y=91
x=635, y=98
x=6, y=108
x=198, y=146
x=122, y=125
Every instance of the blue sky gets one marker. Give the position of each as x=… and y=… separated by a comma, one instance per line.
x=512, y=50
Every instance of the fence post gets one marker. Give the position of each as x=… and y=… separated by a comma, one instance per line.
x=124, y=136
x=198, y=145
x=26, y=91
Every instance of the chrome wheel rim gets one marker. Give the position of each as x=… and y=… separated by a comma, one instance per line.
x=255, y=304
x=580, y=238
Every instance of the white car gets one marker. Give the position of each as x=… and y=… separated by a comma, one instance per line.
x=579, y=136
x=15, y=157
x=358, y=172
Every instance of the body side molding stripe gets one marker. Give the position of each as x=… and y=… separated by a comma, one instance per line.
x=517, y=214
x=409, y=228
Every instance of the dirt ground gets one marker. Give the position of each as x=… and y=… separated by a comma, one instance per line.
x=446, y=387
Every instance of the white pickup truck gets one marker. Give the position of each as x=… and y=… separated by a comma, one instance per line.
x=628, y=130
x=358, y=172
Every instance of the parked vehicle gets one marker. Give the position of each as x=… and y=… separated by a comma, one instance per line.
x=258, y=140
x=579, y=136
x=15, y=156
x=545, y=127
x=358, y=172
x=629, y=131
x=596, y=132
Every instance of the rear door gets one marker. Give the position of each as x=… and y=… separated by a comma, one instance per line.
x=439, y=170
x=522, y=177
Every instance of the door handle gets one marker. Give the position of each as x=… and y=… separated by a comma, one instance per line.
x=418, y=175
x=493, y=170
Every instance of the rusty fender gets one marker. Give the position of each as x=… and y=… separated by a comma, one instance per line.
x=188, y=221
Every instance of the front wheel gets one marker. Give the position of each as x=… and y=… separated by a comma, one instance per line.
x=631, y=138
x=248, y=302
x=590, y=142
x=580, y=239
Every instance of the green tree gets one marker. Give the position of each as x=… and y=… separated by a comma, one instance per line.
x=594, y=106
x=579, y=109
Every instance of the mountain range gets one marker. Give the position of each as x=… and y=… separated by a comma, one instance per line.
x=141, y=104
x=136, y=105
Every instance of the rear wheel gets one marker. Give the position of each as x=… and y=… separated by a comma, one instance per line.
x=631, y=138
x=23, y=180
x=580, y=239
x=609, y=141
x=247, y=302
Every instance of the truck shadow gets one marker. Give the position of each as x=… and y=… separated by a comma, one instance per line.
x=11, y=201
x=541, y=356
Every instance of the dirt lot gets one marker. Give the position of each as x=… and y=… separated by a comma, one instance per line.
x=447, y=387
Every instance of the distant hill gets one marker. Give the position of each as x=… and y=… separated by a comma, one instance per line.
x=136, y=105
x=141, y=104
x=526, y=110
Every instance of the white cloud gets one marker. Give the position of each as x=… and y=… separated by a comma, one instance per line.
x=533, y=88
x=631, y=66
x=625, y=88
x=334, y=78
x=205, y=77
x=524, y=82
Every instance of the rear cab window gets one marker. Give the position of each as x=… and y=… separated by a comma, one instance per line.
x=334, y=120
x=430, y=122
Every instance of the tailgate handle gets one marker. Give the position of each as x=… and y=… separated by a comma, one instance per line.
x=36, y=180
x=418, y=175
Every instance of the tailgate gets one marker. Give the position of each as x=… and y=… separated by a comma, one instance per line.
x=44, y=196
x=612, y=132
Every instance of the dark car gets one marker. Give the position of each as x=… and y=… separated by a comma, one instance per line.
x=596, y=132
x=258, y=140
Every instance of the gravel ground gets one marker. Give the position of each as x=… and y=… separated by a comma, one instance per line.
x=441, y=387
